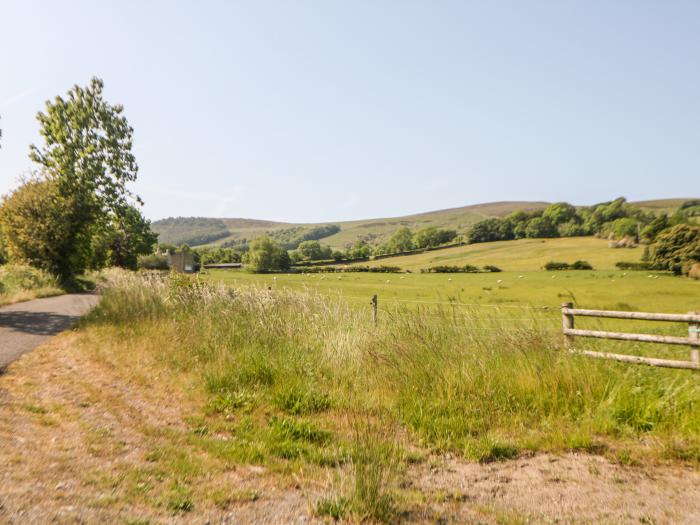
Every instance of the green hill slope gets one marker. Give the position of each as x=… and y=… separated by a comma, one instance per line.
x=521, y=255
x=197, y=231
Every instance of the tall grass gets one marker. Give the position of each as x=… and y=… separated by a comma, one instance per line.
x=487, y=386
x=21, y=283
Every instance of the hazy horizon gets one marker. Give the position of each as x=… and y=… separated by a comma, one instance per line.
x=331, y=111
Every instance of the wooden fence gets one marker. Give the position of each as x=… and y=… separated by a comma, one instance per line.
x=568, y=313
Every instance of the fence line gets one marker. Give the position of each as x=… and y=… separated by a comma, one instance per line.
x=569, y=313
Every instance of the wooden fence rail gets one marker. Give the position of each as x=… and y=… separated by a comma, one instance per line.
x=568, y=313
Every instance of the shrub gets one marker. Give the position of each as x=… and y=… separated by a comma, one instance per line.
x=553, y=265
x=491, y=268
x=18, y=283
x=676, y=249
x=152, y=262
x=581, y=265
x=467, y=268
x=627, y=265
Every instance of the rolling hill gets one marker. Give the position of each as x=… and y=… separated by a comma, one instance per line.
x=198, y=231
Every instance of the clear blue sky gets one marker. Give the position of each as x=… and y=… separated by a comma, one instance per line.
x=326, y=110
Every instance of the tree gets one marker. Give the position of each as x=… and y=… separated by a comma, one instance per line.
x=311, y=250
x=487, y=230
x=359, y=250
x=677, y=249
x=655, y=227
x=34, y=220
x=431, y=236
x=87, y=157
x=560, y=212
x=401, y=240
x=266, y=255
x=127, y=236
x=540, y=227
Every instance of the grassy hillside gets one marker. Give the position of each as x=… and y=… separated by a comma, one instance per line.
x=374, y=230
x=521, y=255
x=218, y=231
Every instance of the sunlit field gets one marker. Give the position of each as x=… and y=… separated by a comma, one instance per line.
x=632, y=290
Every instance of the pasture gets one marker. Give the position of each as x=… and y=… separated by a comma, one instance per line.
x=613, y=290
x=520, y=255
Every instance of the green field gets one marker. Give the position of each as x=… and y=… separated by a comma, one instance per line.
x=592, y=289
x=521, y=255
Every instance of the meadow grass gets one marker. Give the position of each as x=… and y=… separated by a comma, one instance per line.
x=302, y=381
x=520, y=255
x=613, y=290
x=22, y=283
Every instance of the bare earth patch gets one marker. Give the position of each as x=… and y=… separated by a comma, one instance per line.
x=80, y=442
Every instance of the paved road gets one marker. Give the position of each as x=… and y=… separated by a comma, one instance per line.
x=24, y=326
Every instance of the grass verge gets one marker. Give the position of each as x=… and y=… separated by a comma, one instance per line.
x=300, y=382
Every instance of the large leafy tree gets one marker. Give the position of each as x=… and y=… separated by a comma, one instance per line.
x=35, y=223
x=86, y=160
x=124, y=238
x=266, y=255
x=677, y=249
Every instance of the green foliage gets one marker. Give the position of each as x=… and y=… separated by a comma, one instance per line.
x=218, y=255
x=581, y=265
x=77, y=213
x=122, y=240
x=576, y=265
x=540, y=227
x=622, y=227
x=431, y=236
x=401, y=240
x=87, y=157
x=265, y=255
x=360, y=250
x=562, y=220
x=313, y=251
x=554, y=265
x=153, y=261
x=559, y=213
x=38, y=228
x=655, y=227
x=626, y=265
x=16, y=279
x=488, y=230
x=676, y=249
x=467, y=268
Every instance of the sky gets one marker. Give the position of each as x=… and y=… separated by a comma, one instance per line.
x=312, y=111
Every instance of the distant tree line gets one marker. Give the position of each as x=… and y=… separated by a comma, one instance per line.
x=405, y=240
x=617, y=219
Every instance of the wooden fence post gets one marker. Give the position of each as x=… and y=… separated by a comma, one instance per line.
x=374, y=308
x=567, y=322
x=693, y=335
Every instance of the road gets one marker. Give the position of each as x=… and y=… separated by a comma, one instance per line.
x=24, y=326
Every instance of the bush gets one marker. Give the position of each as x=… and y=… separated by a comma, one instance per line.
x=577, y=265
x=491, y=268
x=676, y=249
x=152, y=262
x=581, y=265
x=19, y=283
x=467, y=268
x=553, y=265
x=627, y=265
